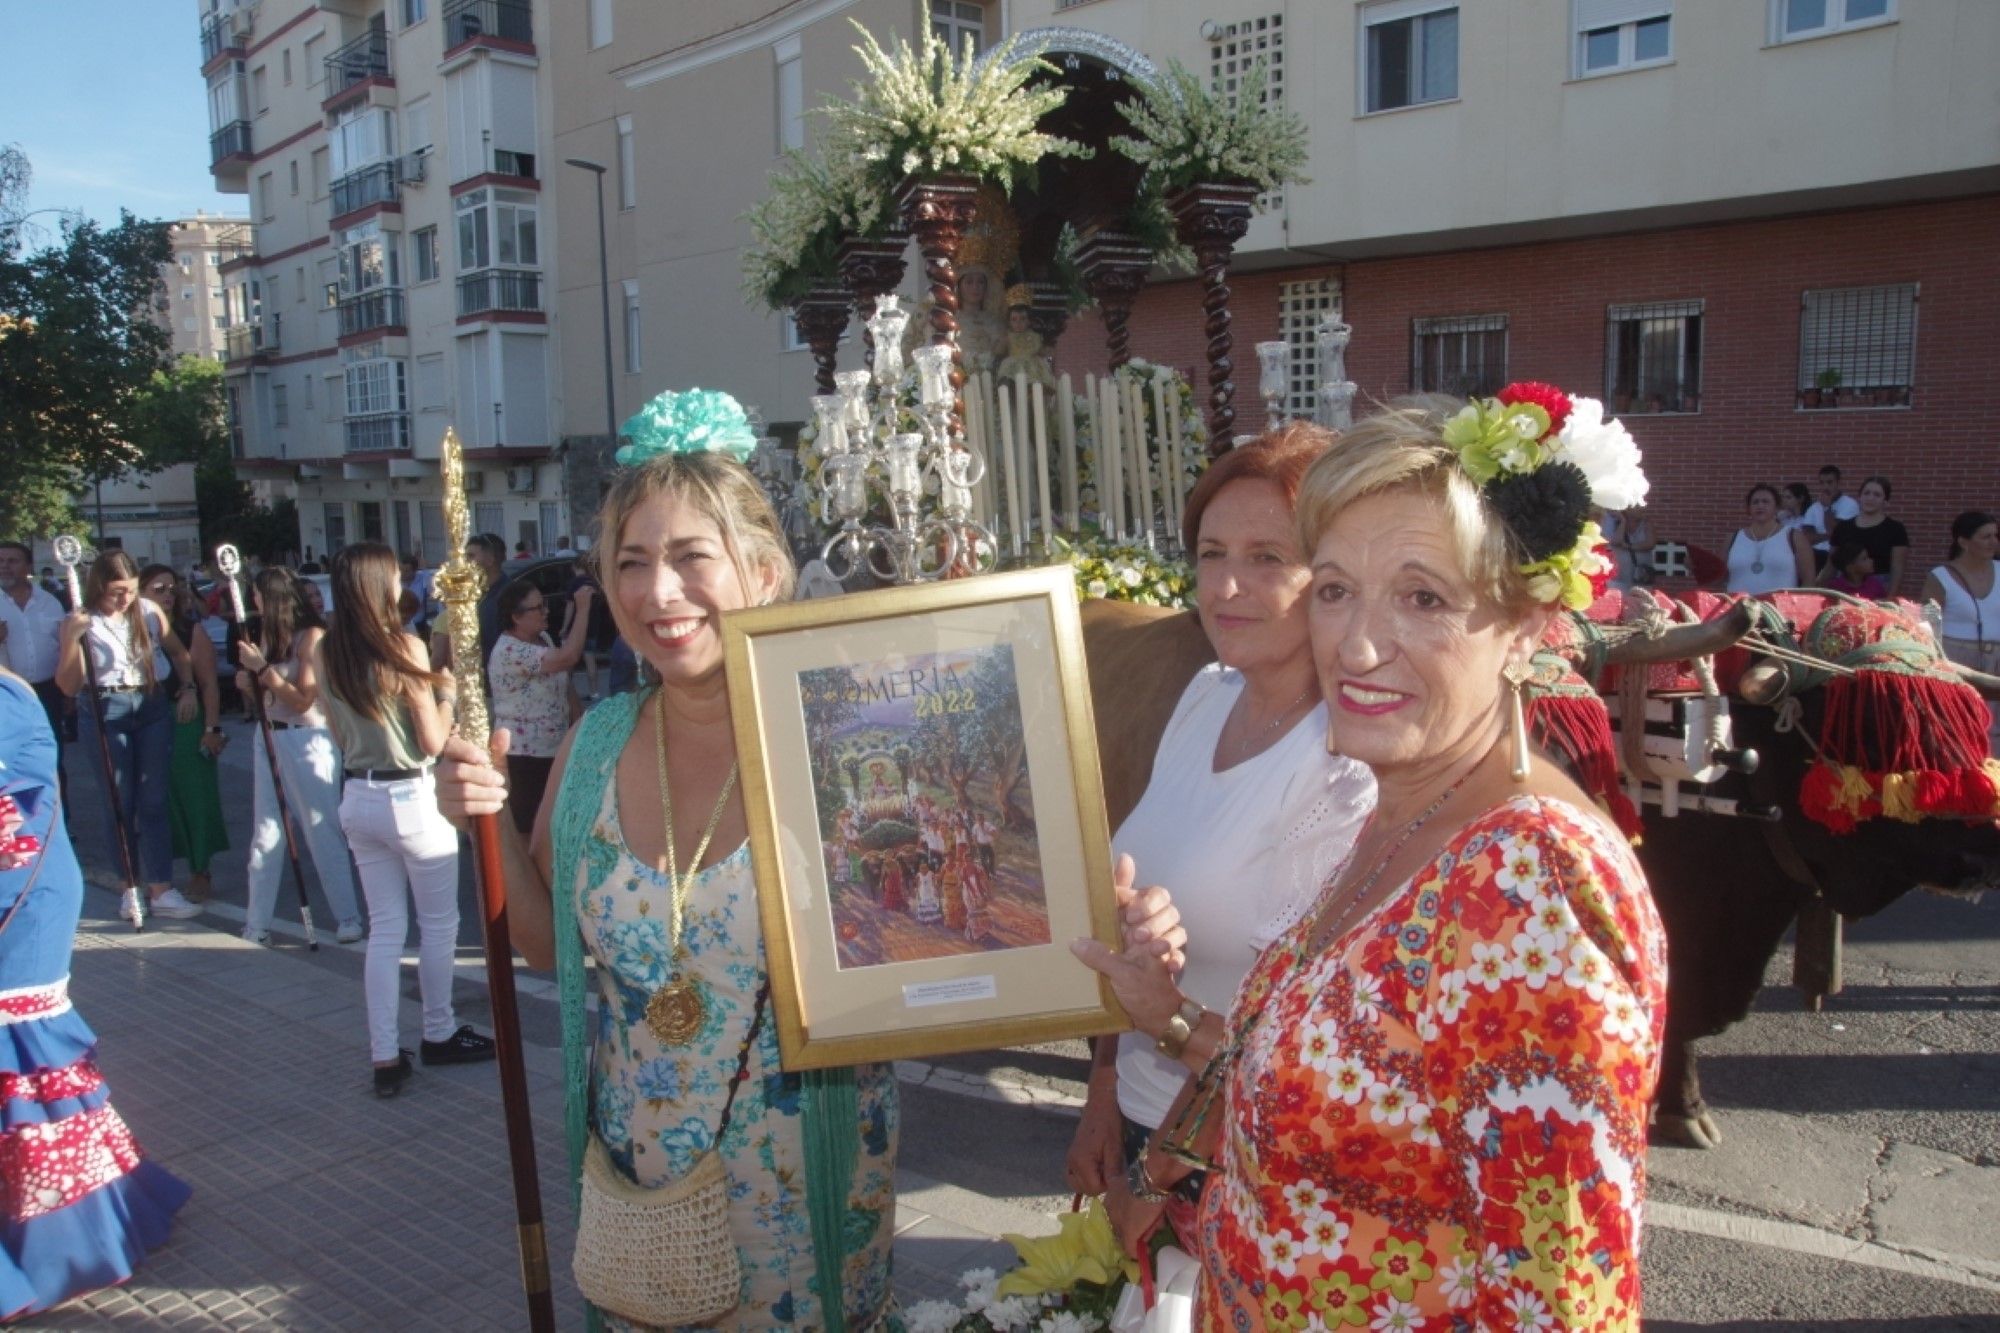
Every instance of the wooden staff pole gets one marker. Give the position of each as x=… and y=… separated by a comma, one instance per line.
x=459, y=586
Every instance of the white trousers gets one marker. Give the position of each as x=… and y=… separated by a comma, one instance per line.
x=309, y=764
x=405, y=852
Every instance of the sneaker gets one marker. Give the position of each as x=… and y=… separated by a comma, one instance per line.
x=349, y=933
x=132, y=907
x=463, y=1047
x=389, y=1080
x=173, y=906
x=255, y=936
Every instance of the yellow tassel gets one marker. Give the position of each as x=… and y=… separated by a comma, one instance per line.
x=1854, y=789
x=1899, y=797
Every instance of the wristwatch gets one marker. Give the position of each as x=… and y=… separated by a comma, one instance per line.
x=215, y=731
x=1141, y=1185
x=1180, y=1028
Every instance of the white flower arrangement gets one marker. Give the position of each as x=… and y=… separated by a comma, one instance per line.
x=1126, y=573
x=1607, y=454
x=814, y=203
x=924, y=110
x=1189, y=134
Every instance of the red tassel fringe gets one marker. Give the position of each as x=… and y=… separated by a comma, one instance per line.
x=1578, y=728
x=1928, y=727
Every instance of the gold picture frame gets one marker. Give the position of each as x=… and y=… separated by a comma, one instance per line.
x=927, y=830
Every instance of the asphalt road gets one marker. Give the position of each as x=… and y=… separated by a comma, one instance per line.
x=1857, y=1187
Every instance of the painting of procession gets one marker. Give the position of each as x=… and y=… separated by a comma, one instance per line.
x=926, y=808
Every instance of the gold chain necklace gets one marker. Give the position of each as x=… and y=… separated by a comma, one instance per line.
x=1243, y=749
x=1315, y=941
x=678, y=1009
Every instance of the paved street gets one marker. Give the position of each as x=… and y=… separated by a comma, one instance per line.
x=1858, y=1186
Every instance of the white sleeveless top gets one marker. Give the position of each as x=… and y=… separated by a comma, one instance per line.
x=1243, y=851
x=115, y=654
x=1762, y=566
x=1965, y=617
x=281, y=712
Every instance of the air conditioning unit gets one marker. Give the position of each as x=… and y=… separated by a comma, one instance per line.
x=521, y=480
x=241, y=16
x=412, y=168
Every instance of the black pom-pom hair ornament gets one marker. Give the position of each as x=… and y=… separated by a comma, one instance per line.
x=1544, y=510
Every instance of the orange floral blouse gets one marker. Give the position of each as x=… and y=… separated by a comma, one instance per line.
x=1440, y=1122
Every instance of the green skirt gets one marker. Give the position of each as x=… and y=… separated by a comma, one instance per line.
x=194, y=802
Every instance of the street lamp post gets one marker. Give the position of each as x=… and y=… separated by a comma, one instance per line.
x=598, y=169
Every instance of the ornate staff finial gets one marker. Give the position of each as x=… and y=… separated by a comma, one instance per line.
x=459, y=585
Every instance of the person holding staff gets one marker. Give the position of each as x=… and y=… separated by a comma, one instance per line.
x=382, y=706
x=280, y=665
x=133, y=656
x=1427, y=1104
x=194, y=799
x=642, y=838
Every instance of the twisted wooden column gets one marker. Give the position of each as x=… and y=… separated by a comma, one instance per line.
x=1210, y=220
x=871, y=270
x=1114, y=268
x=821, y=315
x=937, y=211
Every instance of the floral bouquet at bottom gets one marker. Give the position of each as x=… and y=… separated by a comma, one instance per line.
x=1125, y=572
x=1070, y=1282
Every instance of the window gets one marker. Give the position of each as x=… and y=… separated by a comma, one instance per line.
x=1236, y=50
x=187, y=263
x=1301, y=307
x=267, y=204
x=187, y=323
x=336, y=527
x=628, y=166
x=366, y=260
x=1614, y=35
x=1794, y=20
x=1465, y=355
x=215, y=296
x=275, y=289
x=1409, y=54
x=430, y=383
x=315, y=65
x=187, y=293
x=497, y=226
x=956, y=21
x=361, y=136
x=375, y=387
x=260, y=94
x=424, y=254
x=417, y=125
x=287, y=77
x=600, y=23
x=215, y=259
x=1857, y=346
x=413, y=11
x=294, y=166
x=306, y=393
x=281, y=415
x=430, y=519
x=320, y=173
x=1652, y=357
x=634, y=362
x=794, y=341
x=791, y=97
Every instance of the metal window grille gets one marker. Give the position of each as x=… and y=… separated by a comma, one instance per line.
x=1465, y=355
x=1301, y=306
x=1235, y=50
x=1652, y=357
x=430, y=516
x=1858, y=344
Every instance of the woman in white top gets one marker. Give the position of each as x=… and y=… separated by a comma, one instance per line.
x=280, y=663
x=531, y=690
x=1965, y=588
x=131, y=646
x=1245, y=812
x=1766, y=553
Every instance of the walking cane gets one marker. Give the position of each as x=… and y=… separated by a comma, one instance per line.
x=69, y=554
x=229, y=562
x=458, y=585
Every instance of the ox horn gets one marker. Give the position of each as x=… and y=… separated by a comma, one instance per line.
x=1681, y=643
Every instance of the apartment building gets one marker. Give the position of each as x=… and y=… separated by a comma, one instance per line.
x=392, y=155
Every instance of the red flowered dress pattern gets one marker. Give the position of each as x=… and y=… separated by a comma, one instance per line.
x=1439, y=1122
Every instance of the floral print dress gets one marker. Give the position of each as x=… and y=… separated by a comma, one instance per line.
x=656, y=1106
x=1440, y=1121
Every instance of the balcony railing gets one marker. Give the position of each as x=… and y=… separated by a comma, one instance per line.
x=378, y=432
x=232, y=140
x=366, y=57
x=379, y=309
x=247, y=340
x=219, y=33
x=467, y=19
x=499, y=289
x=377, y=183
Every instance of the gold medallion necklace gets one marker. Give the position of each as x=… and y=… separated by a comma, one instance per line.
x=678, y=1009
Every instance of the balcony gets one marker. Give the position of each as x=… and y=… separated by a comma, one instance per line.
x=378, y=309
x=223, y=32
x=379, y=433
x=499, y=289
x=245, y=341
x=364, y=58
x=377, y=183
x=232, y=140
x=467, y=20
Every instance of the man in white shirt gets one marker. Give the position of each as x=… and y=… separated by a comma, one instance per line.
x=1833, y=506
x=29, y=620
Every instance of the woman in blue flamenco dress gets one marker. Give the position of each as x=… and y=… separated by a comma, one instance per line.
x=80, y=1206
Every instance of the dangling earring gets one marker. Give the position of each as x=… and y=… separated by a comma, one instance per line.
x=1516, y=675
x=1331, y=748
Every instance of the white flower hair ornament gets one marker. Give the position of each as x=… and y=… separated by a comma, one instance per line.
x=1544, y=461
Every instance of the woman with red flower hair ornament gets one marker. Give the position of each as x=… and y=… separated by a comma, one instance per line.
x=1427, y=1104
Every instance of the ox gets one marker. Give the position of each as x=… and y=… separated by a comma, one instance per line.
x=1727, y=887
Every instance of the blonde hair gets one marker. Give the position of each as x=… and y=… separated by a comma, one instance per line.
x=1402, y=448
x=723, y=491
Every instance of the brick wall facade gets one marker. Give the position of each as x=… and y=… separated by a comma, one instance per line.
x=1939, y=452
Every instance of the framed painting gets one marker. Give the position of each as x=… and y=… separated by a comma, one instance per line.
x=926, y=817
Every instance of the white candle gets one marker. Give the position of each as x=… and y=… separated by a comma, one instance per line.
x=1066, y=419
x=1094, y=403
x=1041, y=438
x=975, y=440
x=1170, y=471
x=1013, y=474
x=1110, y=482
x=1022, y=446
x=1142, y=458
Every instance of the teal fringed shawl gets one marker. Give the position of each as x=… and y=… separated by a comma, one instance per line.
x=828, y=1101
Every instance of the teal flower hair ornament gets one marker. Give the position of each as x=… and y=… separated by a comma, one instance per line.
x=697, y=421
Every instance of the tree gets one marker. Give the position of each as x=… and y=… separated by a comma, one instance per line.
x=179, y=418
